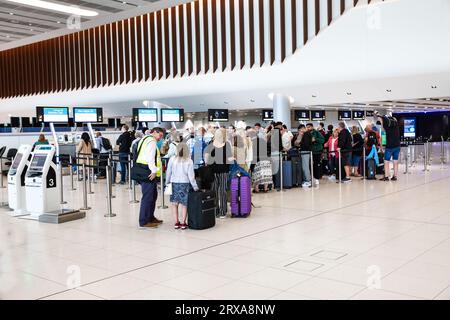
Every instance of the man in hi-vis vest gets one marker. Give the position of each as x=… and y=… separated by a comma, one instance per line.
x=149, y=155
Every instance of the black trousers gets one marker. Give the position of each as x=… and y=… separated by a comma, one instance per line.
x=317, y=166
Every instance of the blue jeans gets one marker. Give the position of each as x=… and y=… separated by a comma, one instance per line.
x=391, y=153
x=123, y=167
x=148, y=202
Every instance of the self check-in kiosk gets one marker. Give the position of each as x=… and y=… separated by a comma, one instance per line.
x=41, y=184
x=16, y=181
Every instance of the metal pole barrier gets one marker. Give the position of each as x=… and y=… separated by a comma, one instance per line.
x=61, y=184
x=71, y=173
x=133, y=192
x=313, y=180
x=340, y=165
x=108, y=192
x=1, y=173
x=425, y=158
x=85, y=204
x=364, y=163
x=89, y=178
x=280, y=161
x=406, y=161
x=110, y=164
x=163, y=205
x=129, y=173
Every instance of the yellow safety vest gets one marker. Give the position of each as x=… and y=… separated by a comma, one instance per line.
x=144, y=148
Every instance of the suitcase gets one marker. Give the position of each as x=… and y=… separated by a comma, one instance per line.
x=287, y=176
x=201, y=210
x=204, y=177
x=297, y=173
x=371, y=169
x=241, y=196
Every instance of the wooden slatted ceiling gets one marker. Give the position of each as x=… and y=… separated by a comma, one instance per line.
x=160, y=45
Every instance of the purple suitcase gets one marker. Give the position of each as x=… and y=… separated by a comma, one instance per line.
x=241, y=196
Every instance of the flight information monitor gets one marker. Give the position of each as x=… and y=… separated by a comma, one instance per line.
x=318, y=115
x=88, y=115
x=219, y=115
x=145, y=114
x=369, y=113
x=358, y=115
x=345, y=115
x=38, y=162
x=16, y=161
x=172, y=115
x=409, y=128
x=302, y=115
x=52, y=114
x=267, y=115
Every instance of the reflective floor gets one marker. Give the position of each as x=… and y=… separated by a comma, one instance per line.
x=363, y=240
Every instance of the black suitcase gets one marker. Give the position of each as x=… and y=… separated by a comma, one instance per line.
x=201, y=210
x=204, y=177
x=297, y=173
x=371, y=169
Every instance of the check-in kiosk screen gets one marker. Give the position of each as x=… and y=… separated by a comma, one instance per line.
x=358, y=115
x=318, y=115
x=88, y=115
x=267, y=115
x=302, y=115
x=16, y=162
x=145, y=115
x=172, y=115
x=345, y=115
x=220, y=115
x=38, y=162
x=52, y=114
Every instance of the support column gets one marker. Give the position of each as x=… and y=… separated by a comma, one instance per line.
x=282, y=109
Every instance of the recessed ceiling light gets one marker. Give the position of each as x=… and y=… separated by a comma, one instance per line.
x=57, y=7
x=58, y=22
x=349, y=93
x=388, y=90
x=314, y=96
x=441, y=100
x=433, y=87
x=11, y=13
x=428, y=99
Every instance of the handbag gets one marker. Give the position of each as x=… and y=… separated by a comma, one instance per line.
x=168, y=189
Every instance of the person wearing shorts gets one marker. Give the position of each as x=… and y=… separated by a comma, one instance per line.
x=392, y=150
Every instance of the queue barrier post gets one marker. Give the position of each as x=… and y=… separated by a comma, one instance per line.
x=130, y=187
x=71, y=173
x=85, y=203
x=89, y=176
x=364, y=164
x=163, y=205
x=133, y=193
x=2, y=186
x=313, y=180
x=61, y=183
x=110, y=214
x=340, y=165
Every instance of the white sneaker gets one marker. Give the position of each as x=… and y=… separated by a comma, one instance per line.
x=222, y=217
x=306, y=184
x=332, y=177
x=316, y=182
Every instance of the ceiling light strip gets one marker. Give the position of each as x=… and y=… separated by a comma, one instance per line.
x=57, y=7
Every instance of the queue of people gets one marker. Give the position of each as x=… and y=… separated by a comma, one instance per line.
x=201, y=159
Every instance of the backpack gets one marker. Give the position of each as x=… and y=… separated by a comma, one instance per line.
x=106, y=144
x=372, y=139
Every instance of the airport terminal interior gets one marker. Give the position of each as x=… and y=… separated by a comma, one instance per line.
x=307, y=141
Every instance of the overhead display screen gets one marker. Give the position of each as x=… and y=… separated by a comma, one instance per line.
x=318, y=115
x=302, y=115
x=38, y=162
x=358, y=115
x=16, y=161
x=267, y=115
x=345, y=115
x=145, y=114
x=52, y=114
x=369, y=113
x=220, y=115
x=409, y=129
x=88, y=115
x=172, y=115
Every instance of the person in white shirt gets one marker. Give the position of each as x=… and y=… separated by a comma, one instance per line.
x=286, y=138
x=180, y=173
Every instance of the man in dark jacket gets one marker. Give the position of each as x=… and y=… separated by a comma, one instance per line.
x=345, y=146
x=392, y=150
x=318, y=141
x=124, y=142
x=305, y=149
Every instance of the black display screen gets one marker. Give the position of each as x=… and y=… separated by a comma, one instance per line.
x=318, y=115
x=345, y=115
x=302, y=115
x=15, y=122
x=358, y=115
x=267, y=115
x=369, y=113
x=220, y=115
